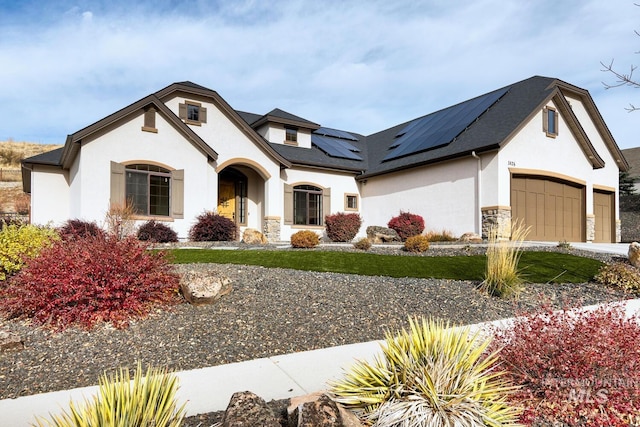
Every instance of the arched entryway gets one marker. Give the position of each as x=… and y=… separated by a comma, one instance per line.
x=232, y=195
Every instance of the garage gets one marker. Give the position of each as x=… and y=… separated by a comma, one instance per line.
x=553, y=208
x=603, y=204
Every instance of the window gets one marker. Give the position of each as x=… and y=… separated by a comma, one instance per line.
x=291, y=135
x=307, y=205
x=192, y=113
x=148, y=187
x=550, y=122
x=350, y=202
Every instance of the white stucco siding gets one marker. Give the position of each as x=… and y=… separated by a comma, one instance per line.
x=443, y=194
x=340, y=184
x=49, y=195
x=127, y=143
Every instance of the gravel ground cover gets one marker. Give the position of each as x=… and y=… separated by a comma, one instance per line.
x=269, y=312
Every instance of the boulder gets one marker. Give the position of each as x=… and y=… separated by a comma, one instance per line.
x=10, y=341
x=203, y=288
x=246, y=409
x=319, y=410
x=634, y=254
x=379, y=234
x=470, y=238
x=251, y=236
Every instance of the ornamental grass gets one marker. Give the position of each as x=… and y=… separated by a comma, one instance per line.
x=431, y=375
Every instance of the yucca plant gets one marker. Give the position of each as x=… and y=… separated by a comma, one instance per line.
x=144, y=401
x=503, y=278
x=432, y=375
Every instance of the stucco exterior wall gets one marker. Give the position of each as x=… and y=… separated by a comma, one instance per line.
x=443, y=194
x=340, y=184
x=49, y=195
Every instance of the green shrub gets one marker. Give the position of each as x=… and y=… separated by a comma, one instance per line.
x=211, y=227
x=620, y=275
x=342, y=227
x=305, y=239
x=144, y=401
x=407, y=224
x=18, y=243
x=431, y=375
x=503, y=278
x=363, y=244
x=416, y=244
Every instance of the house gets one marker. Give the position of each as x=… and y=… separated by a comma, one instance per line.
x=632, y=155
x=537, y=150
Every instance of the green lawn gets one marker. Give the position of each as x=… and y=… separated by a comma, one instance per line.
x=538, y=267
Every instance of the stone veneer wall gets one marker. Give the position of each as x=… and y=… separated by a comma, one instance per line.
x=591, y=228
x=271, y=228
x=497, y=216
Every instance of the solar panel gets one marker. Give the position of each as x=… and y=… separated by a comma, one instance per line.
x=334, y=147
x=440, y=128
x=335, y=133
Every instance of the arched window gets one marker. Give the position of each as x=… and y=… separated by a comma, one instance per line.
x=149, y=188
x=307, y=205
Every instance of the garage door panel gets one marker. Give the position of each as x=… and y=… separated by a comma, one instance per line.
x=553, y=210
x=603, y=204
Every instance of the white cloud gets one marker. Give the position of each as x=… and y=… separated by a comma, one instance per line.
x=362, y=66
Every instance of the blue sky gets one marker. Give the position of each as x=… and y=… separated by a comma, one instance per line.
x=361, y=66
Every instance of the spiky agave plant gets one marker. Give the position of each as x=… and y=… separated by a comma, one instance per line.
x=144, y=401
x=503, y=278
x=432, y=375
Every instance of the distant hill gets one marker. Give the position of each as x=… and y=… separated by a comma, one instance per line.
x=11, y=152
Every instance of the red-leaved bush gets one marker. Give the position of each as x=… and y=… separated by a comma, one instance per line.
x=406, y=225
x=153, y=231
x=342, y=227
x=89, y=280
x=211, y=227
x=576, y=368
x=77, y=228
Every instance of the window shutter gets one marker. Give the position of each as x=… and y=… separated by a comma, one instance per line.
x=545, y=120
x=326, y=203
x=555, y=121
x=117, y=196
x=150, y=118
x=288, y=204
x=203, y=115
x=177, y=193
x=182, y=111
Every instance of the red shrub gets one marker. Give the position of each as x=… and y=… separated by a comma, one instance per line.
x=156, y=232
x=211, y=227
x=342, y=227
x=77, y=228
x=575, y=368
x=88, y=280
x=407, y=224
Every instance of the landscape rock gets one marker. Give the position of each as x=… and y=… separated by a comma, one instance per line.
x=200, y=287
x=246, y=409
x=379, y=234
x=634, y=254
x=470, y=238
x=251, y=236
x=10, y=341
x=319, y=410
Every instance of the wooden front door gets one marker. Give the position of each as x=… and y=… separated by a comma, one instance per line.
x=227, y=199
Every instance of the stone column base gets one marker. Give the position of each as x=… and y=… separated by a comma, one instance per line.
x=496, y=216
x=618, y=231
x=271, y=228
x=591, y=228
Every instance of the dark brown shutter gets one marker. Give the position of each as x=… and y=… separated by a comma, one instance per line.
x=150, y=118
x=177, y=193
x=182, y=111
x=288, y=204
x=203, y=115
x=117, y=196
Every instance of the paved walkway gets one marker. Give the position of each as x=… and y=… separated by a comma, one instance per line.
x=278, y=377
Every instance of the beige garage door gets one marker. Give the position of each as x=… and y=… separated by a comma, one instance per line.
x=603, y=210
x=555, y=210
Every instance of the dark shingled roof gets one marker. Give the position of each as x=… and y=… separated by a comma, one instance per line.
x=49, y=158
x=633, y=158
